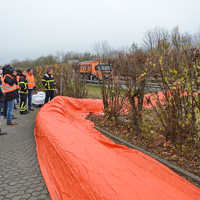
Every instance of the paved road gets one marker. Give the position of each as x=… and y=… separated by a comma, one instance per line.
x=20, y=176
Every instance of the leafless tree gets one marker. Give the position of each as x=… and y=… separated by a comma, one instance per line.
x=153, y=38
x=179, y=40
x=102, y=49
x=60, y=56
x=196, y=39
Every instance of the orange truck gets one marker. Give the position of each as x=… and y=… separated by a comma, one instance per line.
x=95, y=70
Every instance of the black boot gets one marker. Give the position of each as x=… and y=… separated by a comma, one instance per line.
x=24, y=112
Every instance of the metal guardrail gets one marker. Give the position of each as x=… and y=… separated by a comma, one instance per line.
x=151, y=87
x=93, y=82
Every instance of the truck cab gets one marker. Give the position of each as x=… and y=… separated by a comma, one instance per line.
x=95, y=70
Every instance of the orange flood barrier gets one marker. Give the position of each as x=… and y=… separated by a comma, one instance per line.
x=79, y=163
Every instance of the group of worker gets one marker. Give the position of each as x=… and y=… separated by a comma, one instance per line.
x=16, y=87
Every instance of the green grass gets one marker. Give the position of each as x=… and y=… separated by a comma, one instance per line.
x=94, y=91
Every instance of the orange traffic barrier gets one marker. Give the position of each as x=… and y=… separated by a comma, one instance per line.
x=79, y=163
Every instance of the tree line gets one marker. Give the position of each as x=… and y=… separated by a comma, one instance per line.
x=101, y=50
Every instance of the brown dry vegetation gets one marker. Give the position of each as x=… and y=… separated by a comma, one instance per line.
x=171, y=128
x=68, y=83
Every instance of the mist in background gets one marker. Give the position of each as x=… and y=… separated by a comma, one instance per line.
x=31, y=29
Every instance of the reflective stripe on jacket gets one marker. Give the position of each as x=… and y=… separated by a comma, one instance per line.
x=31, y=81
x=2, y=97
x=48, y=82
x=6, y=87
x=23, y=85
x=18, y=77
x=2, y=80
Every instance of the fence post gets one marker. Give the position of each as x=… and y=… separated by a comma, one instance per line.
x=61, y=83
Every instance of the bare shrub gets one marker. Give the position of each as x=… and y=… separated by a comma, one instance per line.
x=114, y=99
x=72, y=84
x=178, y=103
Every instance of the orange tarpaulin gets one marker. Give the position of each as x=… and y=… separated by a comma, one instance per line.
x=79, y=163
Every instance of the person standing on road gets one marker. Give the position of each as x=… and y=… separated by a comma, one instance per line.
x=5, y=108
x=19, y=72
x=23, y=92
x=15, y=74
x=31, y=87
x=2, y=98
x=9, y=87
x=5, y=101
x=49, y=84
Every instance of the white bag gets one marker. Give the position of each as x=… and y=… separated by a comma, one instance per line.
x=38, y=99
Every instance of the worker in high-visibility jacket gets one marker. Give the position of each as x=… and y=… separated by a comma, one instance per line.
x=23, y=93
x=49, y=85
x=9, y=87
x=31, y=87
x=19, y=72
x=2, y=98
x=17, y=81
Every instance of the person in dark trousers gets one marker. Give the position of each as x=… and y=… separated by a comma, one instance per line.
x=16, y=76
x=49, y=85
x=5, y=101
x=5, y=105
x=9, y=87
x=18, y=73
x=31, y=87
x=23, y=92
x=2, y=98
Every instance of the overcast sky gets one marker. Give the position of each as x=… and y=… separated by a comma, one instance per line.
x=32, y=28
